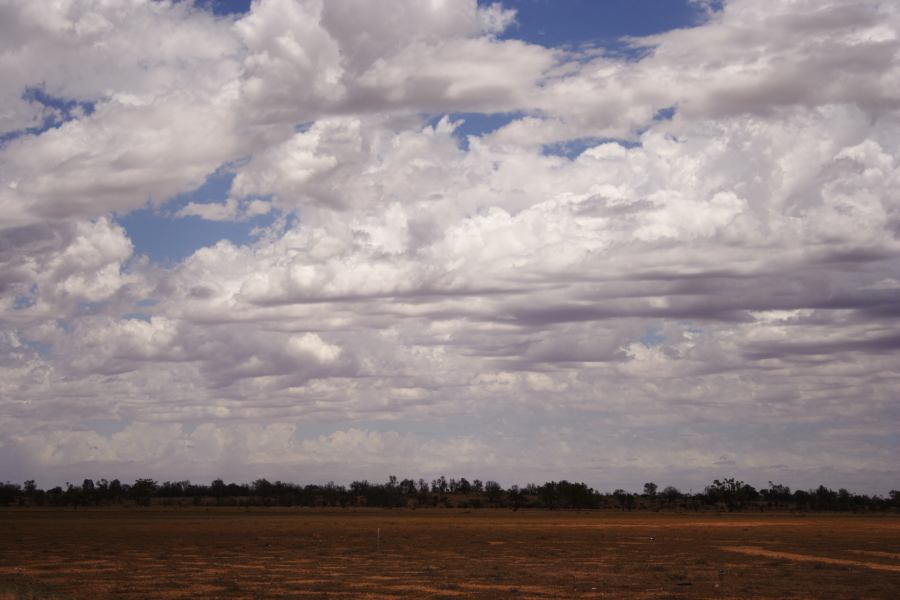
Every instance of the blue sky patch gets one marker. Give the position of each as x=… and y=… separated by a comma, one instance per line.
x=572, y=149
x=167, y=239
x=60, y=111
x=136, y=316
x=43, y=349
x=476, y=124
x=554, y=23
x=27, y=300
x=665, y=114
x=224, y=7
x=64, y=106
x=653, y=337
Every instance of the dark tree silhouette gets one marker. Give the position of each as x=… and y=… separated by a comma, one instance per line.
x=493, y=491
x=670, y=494
x=729, y=493
x=142, y=490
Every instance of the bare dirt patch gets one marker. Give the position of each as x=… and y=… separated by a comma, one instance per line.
x=893, y=555
x=753, y=551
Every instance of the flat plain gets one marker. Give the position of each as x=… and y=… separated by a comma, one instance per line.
x=443, y=553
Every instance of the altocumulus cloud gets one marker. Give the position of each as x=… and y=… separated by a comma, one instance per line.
x=708, y=285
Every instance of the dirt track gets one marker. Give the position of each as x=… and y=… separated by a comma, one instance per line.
x=270, y=553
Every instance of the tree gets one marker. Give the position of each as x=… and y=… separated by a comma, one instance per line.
x=844, y=499
x=777, y=494
x=88, y=491
x=262, y=487
x=102, y=491
x=142, y=490
x=824, y=498
x=439, y=485
x=731, y=492
x=73, y=496
x=116, y=490
x=650, y=490
x=407, y=487
x=549, y=494
x=493, y=491
x=516, y=497
x=575, y=495
x=670, y=494
x=218, y=488
x=33, y=495
x=624, y=499
x=9, y=492
x=54, y=495
x=802, y=499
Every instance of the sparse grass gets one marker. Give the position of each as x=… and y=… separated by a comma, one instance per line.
x=27, y=591
x=438, y=553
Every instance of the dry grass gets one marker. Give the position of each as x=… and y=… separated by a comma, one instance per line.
x=224, y=553
x=26, y=591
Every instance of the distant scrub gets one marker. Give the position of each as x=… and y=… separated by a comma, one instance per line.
x=726, y=494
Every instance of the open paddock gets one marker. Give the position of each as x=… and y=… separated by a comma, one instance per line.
x=307, y=553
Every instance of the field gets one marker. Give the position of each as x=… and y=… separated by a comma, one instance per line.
x=305, y=553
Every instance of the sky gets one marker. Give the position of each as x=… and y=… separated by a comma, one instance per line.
x=605, y=241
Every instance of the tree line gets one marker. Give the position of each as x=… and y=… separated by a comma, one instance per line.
x=728, y=494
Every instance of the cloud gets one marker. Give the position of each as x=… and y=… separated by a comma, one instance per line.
x=702, y=281
x=50, y=270
x=91, y=51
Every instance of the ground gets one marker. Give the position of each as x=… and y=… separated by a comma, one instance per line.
x=305, y=553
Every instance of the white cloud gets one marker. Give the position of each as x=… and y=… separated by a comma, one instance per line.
x=734, y=264
x=53, y=269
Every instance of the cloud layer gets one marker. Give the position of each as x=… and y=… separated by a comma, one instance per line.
x=674, y=264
